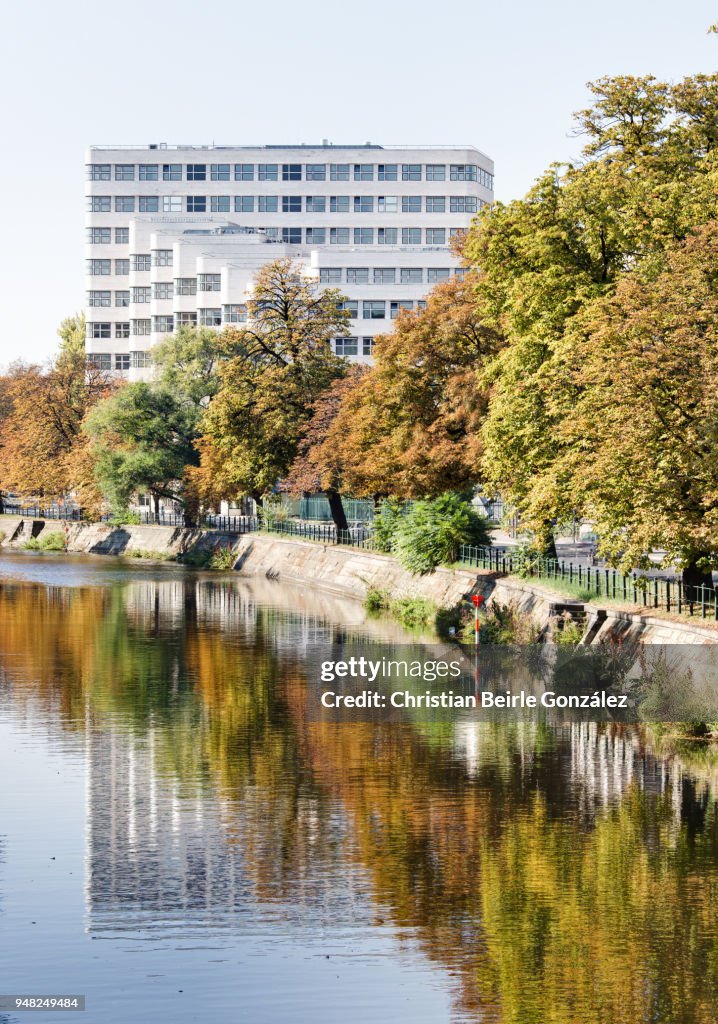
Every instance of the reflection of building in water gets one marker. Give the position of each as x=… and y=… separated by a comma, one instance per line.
x=149, y=847
x=602, y=762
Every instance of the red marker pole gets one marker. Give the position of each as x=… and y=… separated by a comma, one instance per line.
x=477, y=600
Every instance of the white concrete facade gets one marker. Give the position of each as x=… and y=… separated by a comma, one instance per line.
x=176, y=234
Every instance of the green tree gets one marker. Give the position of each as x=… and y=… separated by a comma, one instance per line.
x=144, y=440
x=281, y=363
x=431, y=532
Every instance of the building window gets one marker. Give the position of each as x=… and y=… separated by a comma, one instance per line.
x=363, y=204
x=291, y=204
x=363, y=172
x=363, y=236
x=244, y=172
x=141, y=294
x=149, y=172
x=463, y=172
x=124, y=204
x=330, y=275
x=99, y=204
x=339, y=172
x=186, y=319
x=316, y=172
x=219, y=172
x=384, y=275
x=100, y=360
x=291, y=172
x=163, y=324
x=315, y=204
x=244, y=204
x=161, y=257
x=462, y=204
x=196, y=204
x=436, y=204
x=339, y=204
x=219, y=204
x=141, y=327
x=122, y=360
x=436, y=236
x=367, y=346
x=210, y=282
x=357, y=275
x=411, y=172
x=210, y=317
x=99, y=172
x=124, y=172
x=268, y=172
x=122, y=268
x=97, y=268
x=388, y=204
x=163, y=290
x=436, y=172
x=339, y=236
x=411, y=275
x=292, y=235
x=172, y=204
x=435, y=274
x=268, y=204
x=316, y=236
x=95, y=330
x=149, y=204
x=373, y=310
x=411, y=204
x=122, y=236
x=185, y=285
x=388, y=172
x=196, y=172
x=172, y=172
x=140, y=360
x=236, y=313
x=141, y=263
x=351, y=306
x=122, y=298
x=346, y=346
x=122, y=329
x=411, y=236
x=486, y=179
x=388, y=236
x=460, y=272
x=99, y=236
x=396, y=307
x=99, y=298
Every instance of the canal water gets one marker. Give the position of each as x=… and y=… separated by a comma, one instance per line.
x=181, y=841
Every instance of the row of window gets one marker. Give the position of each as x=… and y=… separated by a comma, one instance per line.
x=283, y=204
x=312, y=236
x=350, y=346
x=236, y=313
x=108, y=361
x=290, y=172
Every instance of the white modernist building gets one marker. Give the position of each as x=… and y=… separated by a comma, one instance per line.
x=175, y=235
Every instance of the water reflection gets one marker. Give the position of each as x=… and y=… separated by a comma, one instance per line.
x=550, y=874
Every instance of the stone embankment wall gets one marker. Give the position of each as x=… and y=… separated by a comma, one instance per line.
x=353, y=572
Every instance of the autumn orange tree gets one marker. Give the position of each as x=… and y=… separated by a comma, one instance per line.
x=411, y=426
x=43, y=450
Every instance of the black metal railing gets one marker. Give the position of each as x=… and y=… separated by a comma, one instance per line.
x=599, y=581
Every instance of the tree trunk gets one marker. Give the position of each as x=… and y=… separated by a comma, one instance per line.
x=336, y=508
x=692, y=577
x=156, y=500
x=545, y=541
x=258, y=499
x=191, y=512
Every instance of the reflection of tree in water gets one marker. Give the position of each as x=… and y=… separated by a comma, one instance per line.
x=560, y=876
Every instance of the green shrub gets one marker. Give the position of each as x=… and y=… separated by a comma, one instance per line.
x=155, y=556
x=376, y=600
x=385, y=524
x=54, y=541
x=432, y=531
x=222, y=559
x=502, y=624
x=413, y=611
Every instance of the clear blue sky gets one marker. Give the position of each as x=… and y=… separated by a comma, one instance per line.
x=505, y=77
